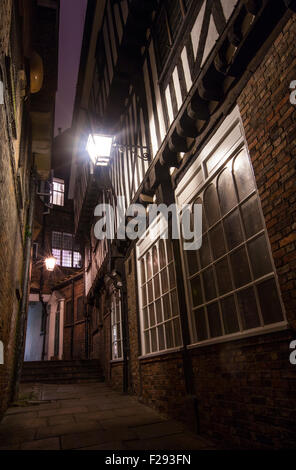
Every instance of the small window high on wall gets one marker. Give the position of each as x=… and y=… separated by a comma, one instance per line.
x=65, y=250
x=57, y=193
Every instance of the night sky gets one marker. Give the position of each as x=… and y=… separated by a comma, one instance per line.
x=72, y=15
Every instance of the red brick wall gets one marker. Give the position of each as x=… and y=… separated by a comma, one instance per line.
x=116, y=375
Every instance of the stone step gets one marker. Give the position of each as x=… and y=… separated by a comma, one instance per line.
x=75, y=371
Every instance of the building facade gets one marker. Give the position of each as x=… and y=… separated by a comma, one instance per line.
x=28, y=55
x=197, y=96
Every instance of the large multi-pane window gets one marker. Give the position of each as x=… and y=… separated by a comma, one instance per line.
x=57, y=192
x=231, y=281
x=116, y=326
x=160, y=321
x=65, y=250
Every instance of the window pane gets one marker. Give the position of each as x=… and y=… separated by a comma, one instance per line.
x=67, y=241
x=226, y=191
x=147, y=343
x=259, y=256
x=174, y=303
x=148, y=266
x=217, y=241
x=169, y=334
x=177, y=331
x=172, y=276
x=223, y=276
x=251, y=216
x=162, y=260
x=153, y=340
x=243, y=175
x=57, y=255
x=211, y=205
x=56, y=240
x=145, y=318
x=248, y=308
x=240, y=267
x=196, y=291
x=200, y=325
x=67, y=259
x=209, y=284
x=76, y=259
x=119, y=349
x=143, y=278
x=164, y=280
x=150, y=292
x=233, y=230
x=229, y=315
x=204, y=252
x=214, y=320
x=144, y=295
x=152, y=315
x=158, y=311
x=166, y=306
x=156, y=286
x=269, y=302
x=191, y=261
x=161, y=337
x=155, y=260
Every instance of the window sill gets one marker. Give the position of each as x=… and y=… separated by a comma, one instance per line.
x=116, y=361
x=160, y=353
x=237, y=336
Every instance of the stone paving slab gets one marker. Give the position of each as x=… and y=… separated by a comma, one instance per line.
x=90, y=417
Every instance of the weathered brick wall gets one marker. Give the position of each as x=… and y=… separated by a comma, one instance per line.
x=270, y=127
x=116, y=375
x=163, y=384
x=12, y=218
x=246, y=391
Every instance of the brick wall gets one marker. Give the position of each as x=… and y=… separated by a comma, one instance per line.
x=246, y=391
x=12, y=216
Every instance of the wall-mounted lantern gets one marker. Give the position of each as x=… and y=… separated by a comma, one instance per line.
x=50, y=263
x=99, y=148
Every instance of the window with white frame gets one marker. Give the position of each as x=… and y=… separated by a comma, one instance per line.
x=57, y=192
x=160, y=320
x=65, y=250
x=116, y=326
x=231, y=284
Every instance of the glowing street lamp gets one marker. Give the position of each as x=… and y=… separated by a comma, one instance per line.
x=50, y=263
x=99, y=149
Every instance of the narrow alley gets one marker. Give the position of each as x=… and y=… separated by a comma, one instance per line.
x=147, y=225
x=90, y=417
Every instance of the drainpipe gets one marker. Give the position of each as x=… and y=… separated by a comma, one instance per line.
x=21, y=333
x=125, y=342
x=72, y=327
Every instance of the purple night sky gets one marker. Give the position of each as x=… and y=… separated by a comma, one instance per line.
x=72, y=15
